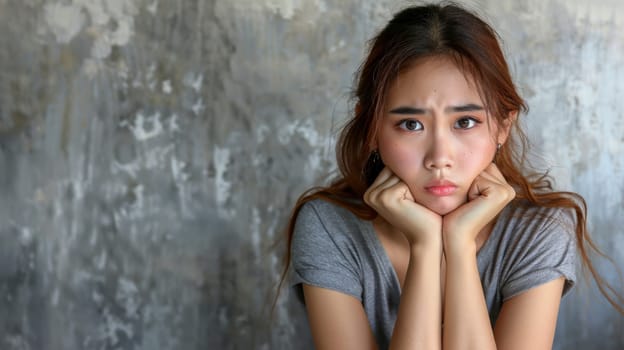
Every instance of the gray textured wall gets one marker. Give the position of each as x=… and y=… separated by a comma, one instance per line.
x=150, y=152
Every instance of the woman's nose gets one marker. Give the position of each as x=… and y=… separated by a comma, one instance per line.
x=439, y=153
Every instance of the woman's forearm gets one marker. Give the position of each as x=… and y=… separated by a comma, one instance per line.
x=418, y=324
x=466, y=319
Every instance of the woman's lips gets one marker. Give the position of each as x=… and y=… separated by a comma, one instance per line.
x=441, y=188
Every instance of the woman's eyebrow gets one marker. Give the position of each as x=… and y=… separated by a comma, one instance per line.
x=470, y=107
x=408, y=110
x=465, y=108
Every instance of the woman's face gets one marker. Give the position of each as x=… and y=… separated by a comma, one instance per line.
x=435, y=134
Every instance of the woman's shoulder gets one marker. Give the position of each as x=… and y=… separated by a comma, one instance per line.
x=528, y=211
x=535, y=220
x=533, y=244
x=321, y=218
x=326, y=210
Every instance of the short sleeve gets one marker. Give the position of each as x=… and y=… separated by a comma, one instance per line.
x=548, y=253
x=319, y=256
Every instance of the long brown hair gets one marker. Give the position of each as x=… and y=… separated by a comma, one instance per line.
x=452, y=32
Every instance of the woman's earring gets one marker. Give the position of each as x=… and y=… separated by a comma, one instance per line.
x=375, y=158
x=498, y=147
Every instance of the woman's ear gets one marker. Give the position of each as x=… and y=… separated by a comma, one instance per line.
x=503, y=133
x=372, y=145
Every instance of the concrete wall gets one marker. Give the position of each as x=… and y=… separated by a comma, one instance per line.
x=150, y=152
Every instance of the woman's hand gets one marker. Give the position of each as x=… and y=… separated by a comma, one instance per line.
x=392, y=199
x=487, y=196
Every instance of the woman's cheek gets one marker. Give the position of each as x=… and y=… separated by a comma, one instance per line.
x=401, y=160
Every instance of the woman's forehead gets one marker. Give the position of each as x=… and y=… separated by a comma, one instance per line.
x=432, y=79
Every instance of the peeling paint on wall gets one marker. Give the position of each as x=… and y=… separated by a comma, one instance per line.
x=64, y=21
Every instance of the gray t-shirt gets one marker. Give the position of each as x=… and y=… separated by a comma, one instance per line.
x=332, y=248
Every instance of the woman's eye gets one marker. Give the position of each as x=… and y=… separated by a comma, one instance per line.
x=410, y=125
x=466, y=123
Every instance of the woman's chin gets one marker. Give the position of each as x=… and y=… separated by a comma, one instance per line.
x=442, y=211
x=442, y=207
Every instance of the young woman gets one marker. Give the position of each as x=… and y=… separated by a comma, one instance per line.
x=434, y=235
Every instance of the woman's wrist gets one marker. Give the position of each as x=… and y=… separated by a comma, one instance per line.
x=460, y=249
x=464, y=256
x=431, y=247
